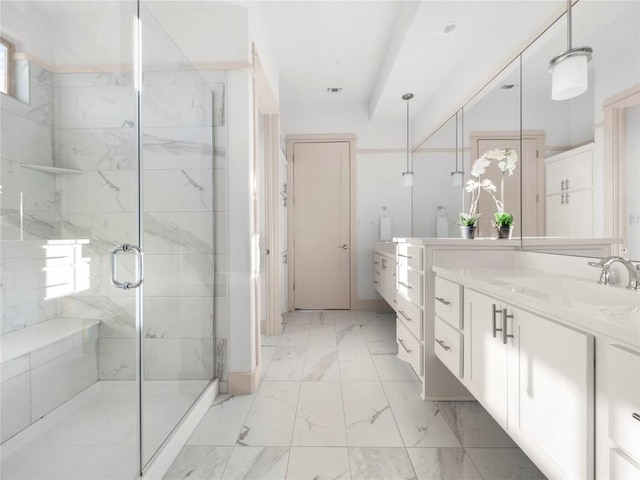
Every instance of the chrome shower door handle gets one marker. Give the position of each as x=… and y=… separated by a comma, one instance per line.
x=125, y=247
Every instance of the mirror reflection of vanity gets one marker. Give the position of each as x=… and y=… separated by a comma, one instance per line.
x=578, y=167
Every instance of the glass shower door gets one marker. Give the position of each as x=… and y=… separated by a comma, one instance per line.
x=177, y=235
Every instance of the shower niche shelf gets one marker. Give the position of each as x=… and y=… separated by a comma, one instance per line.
x=53, y=170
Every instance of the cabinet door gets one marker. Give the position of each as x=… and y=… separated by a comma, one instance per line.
x=551, y=397
x=579, y=213
x=556, y=216
x=485, y=356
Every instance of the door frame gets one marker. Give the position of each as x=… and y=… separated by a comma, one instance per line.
x=291, y=141
x=539, y=137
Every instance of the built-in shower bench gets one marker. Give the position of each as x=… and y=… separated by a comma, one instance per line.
x=43, y=365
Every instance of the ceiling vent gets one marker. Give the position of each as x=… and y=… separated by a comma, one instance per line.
x=334, y=89
x=507, y=86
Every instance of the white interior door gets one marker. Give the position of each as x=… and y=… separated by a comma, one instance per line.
x=322, y=244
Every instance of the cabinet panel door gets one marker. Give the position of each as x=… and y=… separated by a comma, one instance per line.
x=485, y=356
x=578, y=211
x=552, y=390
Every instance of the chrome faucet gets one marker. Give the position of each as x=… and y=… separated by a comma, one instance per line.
x=605, y=275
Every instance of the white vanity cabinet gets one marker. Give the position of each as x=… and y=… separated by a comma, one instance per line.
x=536, y=378
x=384, y=268
x=569, y=193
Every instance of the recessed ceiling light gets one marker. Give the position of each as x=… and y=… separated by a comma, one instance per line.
x=450, y=27
x=334, y=89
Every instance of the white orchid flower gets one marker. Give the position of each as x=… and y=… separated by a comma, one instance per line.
x=479, y=166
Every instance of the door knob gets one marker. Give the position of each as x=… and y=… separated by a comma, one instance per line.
x=344, y=247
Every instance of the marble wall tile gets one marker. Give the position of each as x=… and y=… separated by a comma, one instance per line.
x=23, y=281
x=116, y=314
x=51, y=351
x=14, y=367
x=104, y=230
x=220, y=229
x=419, y=421
x=178, y=317
x=319, y=417
x=56, y=381
x=219, y=103
x=177, y=148
x=199, y=462
x=271, y=418
x=504, y=463
x=473, y=425
x=223, y=421
x=220, y=190
x=221, y=372
x=28, y=225
x=380, y=464
x=182, y=275
x=368, y=416
x=97, y=107
x=37, y=143
x=178, y=359
x=11, y=132
x=93, y=79
x=177, y=106
x=11, y=176
x=319, y=463
x=100, y=192
x=14, y=317
x=213, y=76
x=186, y=232
x=117, y=358
x=257, y=463
x=40, y=108
x=178, y=190
x=15, y=405
x=443, y=464
x=221, y=317
x=98, y=148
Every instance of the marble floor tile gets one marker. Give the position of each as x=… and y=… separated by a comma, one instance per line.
x=473, y=426
x=272, y=415
x=270, y=340
x=223, y=422
x=383, y=347
x=419, y=421
x=320, y=416
x=299, y=317
x=368, y=416
x=199, y=463
x=318, y=463
x=350, y=335
x=286, y=364
x=345, y=317
x=321, y=364
x=257, y=463
x=322, y=340
x=368, y=317
x=443, y=464
x=391, y=369
x=380, y=463
x=356, y=364
x=504, y=463
x=375, y=332
x=295, y=336
x=323, y=323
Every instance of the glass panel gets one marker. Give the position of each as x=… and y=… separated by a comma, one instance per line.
x=436, y=200
x=492, y=130
x=576, y=195
x=69, y=178
x=4, y=70
x=177, y=158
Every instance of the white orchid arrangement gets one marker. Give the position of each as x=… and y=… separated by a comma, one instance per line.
x=506, y=159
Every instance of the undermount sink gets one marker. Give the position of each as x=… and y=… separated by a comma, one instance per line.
x=571, y=289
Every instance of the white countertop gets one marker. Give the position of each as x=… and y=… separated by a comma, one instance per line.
x=504, y=242
x=585, y=304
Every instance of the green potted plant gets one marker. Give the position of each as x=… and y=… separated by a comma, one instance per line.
x=467, y=224
x=503, y=223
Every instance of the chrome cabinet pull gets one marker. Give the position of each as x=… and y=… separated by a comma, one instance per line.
x=405, y=256
x=443, y=345
x=405, y=285
x=443, y=301
x=125, y=247
x=566, y=199
x=494, y=320
x=375, y=282
x=562, y=201
x=566, y=184
x=636, y=416
x=384, y=264
x=404, y=315
x=375, y=263
x=403, y=345
x=505, y=316
x=562, y=185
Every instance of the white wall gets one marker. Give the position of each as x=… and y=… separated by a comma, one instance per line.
x=633, y=180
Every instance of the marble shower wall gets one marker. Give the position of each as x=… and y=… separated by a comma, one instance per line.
x=28, y=201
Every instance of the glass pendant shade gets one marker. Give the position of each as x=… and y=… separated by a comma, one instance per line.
x=407, y=179
x=456, y=178
x=570, y=77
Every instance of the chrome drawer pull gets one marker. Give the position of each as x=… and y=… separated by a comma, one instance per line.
x=405, y=256
x=505, y=316
x=375, y=263
x=405, y=285
x=404, y=315
x=636, y=416
x=443, y=301
x=403, y=345
x=375, y=282
x=493, y=320
x=443, y=345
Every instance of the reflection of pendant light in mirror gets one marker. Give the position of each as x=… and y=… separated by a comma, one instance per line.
x=456, y=176
x=407, y=176
x=569, y=72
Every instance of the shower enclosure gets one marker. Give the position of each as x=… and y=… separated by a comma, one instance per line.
x=107, y=273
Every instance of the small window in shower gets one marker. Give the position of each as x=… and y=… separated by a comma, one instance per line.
x=6, y=66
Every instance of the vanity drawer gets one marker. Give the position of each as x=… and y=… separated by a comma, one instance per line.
x=623, y=389
x=410, y=349
x=409, y=284
x=377, y=263
x=411, y=315
x=411, y=256
x=448, y=346
x=448, y=302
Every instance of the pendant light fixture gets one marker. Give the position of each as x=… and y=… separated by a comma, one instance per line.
x=569, y=71
x=407, y=176
x=456, y=176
